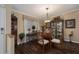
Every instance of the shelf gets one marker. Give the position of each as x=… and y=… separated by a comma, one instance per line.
x=57, y=27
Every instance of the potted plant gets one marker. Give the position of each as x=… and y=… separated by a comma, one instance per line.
x=21, y=36
x=33, y=28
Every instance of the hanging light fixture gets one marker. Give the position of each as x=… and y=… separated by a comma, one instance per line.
x=47, y=16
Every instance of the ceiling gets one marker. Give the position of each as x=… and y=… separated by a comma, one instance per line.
x=39, y=10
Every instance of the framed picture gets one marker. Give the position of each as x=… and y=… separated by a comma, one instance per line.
x=70, y=23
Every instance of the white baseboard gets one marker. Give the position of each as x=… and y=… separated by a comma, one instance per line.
x=75, y=42
x=71, y=41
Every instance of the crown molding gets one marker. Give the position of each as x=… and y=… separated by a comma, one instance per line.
x=24, y=14
x=75, y=10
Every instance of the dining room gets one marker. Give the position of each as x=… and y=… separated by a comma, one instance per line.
x=47, y=28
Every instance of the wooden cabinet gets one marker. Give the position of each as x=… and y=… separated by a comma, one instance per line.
x=14, y=27
x=57, y=27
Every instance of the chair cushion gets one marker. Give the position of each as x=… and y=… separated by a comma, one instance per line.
x=44, y=40
x=55, y=40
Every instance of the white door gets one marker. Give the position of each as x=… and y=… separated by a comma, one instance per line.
x=2, y=30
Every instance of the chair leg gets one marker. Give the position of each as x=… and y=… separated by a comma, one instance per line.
x=43, y=49
x=50, y=45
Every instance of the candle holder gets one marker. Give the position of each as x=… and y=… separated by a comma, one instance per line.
x=70, y=36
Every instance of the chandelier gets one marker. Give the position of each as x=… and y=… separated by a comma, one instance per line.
x=47, y=20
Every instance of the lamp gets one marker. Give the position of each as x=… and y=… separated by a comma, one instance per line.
x=47, y=16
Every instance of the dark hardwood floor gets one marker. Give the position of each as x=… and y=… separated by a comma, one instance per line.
x=34, y=48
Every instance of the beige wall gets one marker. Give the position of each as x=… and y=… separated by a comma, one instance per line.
x=20, y=27
x=72, y=15
x=8, y=19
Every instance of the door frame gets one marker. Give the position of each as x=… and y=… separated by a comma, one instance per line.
x=4, y=29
